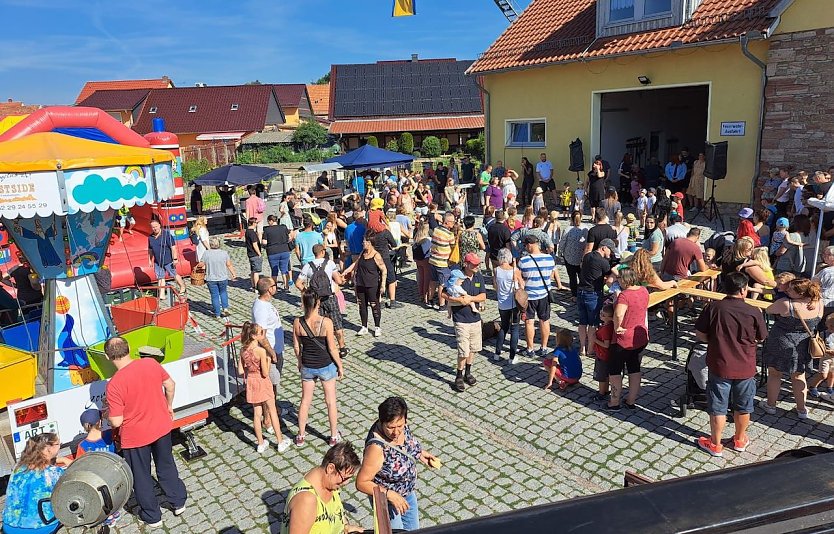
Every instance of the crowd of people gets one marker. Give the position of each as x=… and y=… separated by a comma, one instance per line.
x=636, y=241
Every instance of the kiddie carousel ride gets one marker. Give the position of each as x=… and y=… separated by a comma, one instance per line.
x=59, y=196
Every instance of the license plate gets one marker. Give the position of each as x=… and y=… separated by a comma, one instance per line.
x=23, y=435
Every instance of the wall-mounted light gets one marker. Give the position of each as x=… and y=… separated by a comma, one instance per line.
x=644, y=80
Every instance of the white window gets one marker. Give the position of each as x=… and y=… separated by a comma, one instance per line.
x=621, y=10
x=192, y=109
x=634, y=10
x=235, y=107
x=526, y=132
x=152, y=110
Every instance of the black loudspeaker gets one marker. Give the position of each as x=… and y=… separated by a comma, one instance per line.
x=577, y=157
x=716, y=165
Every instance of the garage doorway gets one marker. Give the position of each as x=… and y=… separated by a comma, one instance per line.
x=653, y=123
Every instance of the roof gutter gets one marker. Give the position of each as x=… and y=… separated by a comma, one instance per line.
x=487, y=149
x=744, y=41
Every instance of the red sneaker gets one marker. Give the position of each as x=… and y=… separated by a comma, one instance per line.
x=740, y=446
x=706, y=444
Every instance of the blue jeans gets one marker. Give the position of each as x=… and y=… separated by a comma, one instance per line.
x=410, y=520
x=279, y=263
x=588, y=306
x=219, y=296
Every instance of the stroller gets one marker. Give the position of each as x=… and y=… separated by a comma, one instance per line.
x=694, y=393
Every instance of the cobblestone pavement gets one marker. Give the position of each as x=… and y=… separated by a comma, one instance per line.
x=505, y=443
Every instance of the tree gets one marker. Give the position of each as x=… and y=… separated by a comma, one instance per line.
x=309, y=134
x=444, y=145
x=372, y=140
x=431, y=147
x=323, y=80
x=195, y=168
x=406, y=143
x=392, y=145
x=476, y=146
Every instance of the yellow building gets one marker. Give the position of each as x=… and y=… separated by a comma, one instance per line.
x=651, y=77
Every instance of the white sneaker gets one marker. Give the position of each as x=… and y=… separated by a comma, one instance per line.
x=362, y=331
x=802, y=415
x=271, y=430
x=263, y=446
x=377, y=331
x=768, y=409
x=285, y=444
x=179, y=511
x=497, y=356
x=515, y=360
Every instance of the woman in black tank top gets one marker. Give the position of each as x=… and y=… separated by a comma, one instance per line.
x=318, y=359
x=369, y=271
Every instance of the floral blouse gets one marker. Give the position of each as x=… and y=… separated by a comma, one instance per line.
x=399, y=462
x=26, y=488
x=572, y=245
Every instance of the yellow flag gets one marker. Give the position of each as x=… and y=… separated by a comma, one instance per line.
x=404, y=8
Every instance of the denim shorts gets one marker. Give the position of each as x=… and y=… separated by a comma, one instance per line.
x=324, y=374
x=719, y=391
x=440, y=274
x=588, y=303
x=256, y=264
x=166, y=271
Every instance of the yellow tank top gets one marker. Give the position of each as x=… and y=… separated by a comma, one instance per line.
x=330, y=516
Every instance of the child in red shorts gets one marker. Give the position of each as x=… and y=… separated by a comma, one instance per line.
x=601, y=340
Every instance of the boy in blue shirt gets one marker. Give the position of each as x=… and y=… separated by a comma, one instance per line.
x=97, y=440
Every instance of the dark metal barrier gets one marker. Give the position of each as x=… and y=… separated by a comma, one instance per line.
x=784, y=495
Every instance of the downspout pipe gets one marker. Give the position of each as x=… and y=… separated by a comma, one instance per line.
x=744, y=41
x=487, y=136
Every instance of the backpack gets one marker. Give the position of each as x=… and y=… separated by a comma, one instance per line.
x=319, y=282
x=195, y=239
x=417, y=251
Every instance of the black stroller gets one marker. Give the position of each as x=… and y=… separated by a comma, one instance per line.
x=694, y=393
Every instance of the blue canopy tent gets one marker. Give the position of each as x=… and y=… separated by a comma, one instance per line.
x=371, y=157
x=235, y=174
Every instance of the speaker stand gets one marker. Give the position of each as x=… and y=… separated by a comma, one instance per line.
x=712, y=212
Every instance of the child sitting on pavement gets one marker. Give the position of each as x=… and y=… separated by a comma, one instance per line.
x=97, y=440
x=455, y=289
x=826, y=372
x=564, y=364
x=601, y=339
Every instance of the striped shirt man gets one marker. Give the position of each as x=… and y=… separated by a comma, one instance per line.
x=442, y=240
x=537, y=284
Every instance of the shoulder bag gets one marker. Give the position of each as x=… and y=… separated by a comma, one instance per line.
x=552, y=294
x=816, y=344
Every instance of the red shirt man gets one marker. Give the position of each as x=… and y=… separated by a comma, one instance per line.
x=680, y=254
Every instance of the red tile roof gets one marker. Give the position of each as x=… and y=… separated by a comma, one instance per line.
x=554, y=31
x=290, y=94
x=319, y=98
x=12, y=107
x=214, y=109
x=91, y=87
x=410, y=124
x=115, y=99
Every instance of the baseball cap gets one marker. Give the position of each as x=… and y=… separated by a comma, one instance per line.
x=644, y=191
x=90, y=416
x=782, y=222
x=377, y=203
x=678, y=195
x=745, y=213
x=472, y=259
x=530, y=238
x=609, y=244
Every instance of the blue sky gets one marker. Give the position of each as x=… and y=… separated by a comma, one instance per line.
x=56, y=45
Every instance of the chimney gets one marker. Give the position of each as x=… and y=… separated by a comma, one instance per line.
x=414, y=58
x=10, y=101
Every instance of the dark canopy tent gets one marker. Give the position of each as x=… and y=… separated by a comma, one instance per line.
x=235, y=174
x=367, y=157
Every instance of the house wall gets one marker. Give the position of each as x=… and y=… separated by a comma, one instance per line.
x=799, y=100
x=291, y=115
x=567, y=96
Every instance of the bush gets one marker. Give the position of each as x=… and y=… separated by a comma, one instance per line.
x=431, y=147
x=417, y=154
x=444, y=145
x=309, y=134
x=373, y=141
x=406, y=143
x=476, y=146
x=195, y=168
x=392, y=145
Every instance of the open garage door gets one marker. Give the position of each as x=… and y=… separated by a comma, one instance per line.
x=650, y=123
